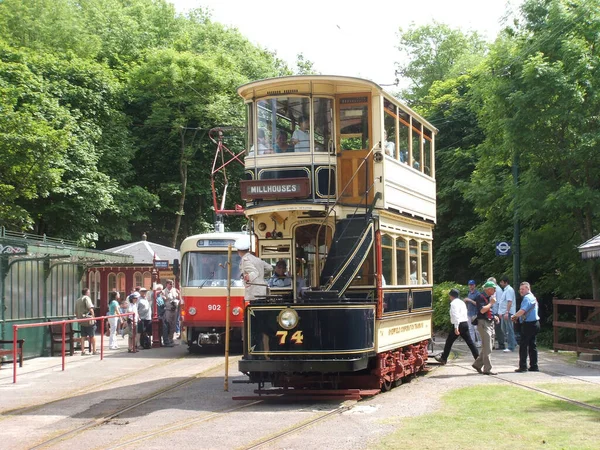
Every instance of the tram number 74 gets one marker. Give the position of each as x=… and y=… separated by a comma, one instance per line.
x=296, y=338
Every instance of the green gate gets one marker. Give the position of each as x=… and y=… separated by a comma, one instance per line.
x=40, y=279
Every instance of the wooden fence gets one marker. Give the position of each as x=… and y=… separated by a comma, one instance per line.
x=586, y=325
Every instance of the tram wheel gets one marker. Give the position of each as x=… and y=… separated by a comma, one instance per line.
x=398, y=382
x=386, y=385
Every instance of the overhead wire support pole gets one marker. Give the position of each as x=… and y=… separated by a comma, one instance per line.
x=227, y=308
x=516, y=225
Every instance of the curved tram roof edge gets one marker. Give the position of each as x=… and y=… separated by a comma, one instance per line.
x=247, y=90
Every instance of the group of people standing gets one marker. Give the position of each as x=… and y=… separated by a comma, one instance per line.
x=481, y=315
x=139, y=309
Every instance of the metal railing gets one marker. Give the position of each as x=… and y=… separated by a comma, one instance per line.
x=4, y=233
x=64, y=323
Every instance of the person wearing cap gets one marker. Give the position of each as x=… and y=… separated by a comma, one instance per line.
x=459, y=318
x=132, y=321
x=253, y=270
x=485, y=326
x=280, y=277
x=472, y=312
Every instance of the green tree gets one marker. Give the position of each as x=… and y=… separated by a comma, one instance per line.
x=433, y=53
x=539, y=100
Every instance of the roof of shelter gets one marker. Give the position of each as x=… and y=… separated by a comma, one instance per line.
x=590, y=248
x=143, y=251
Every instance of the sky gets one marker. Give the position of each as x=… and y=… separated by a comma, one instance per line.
x=350, y=38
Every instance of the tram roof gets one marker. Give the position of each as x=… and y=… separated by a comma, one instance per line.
x=249, y=90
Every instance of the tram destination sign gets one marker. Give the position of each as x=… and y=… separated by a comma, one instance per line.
x=275, y=189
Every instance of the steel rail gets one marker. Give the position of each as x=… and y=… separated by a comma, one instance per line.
x=297, y=428
x=541, y=391
x=108, y=417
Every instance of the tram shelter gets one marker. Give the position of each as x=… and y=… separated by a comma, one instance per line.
x=140, y=270
x=40, y=280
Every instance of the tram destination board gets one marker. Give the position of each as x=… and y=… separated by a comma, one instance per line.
x=270, y=189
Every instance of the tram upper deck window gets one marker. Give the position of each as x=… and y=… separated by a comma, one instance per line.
x=354, y=123
x=427, y=151
x=283, y=125
x=416, y=145
x=390, y=138
x=403, y=136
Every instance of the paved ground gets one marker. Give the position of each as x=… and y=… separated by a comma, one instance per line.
x=47, y=402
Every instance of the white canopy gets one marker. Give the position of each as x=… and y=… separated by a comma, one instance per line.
x=590, y=248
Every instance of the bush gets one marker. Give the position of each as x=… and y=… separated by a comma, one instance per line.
x=441, y=304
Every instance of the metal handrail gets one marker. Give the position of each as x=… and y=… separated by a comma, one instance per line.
x=64, y=324
x=36, y=237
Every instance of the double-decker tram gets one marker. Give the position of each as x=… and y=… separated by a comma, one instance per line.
x=204, y=289
x=340, y=185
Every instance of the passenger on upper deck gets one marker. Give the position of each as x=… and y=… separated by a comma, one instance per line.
x=389, y=147
x=263, y=145
x=301, y=136
x=282, y=145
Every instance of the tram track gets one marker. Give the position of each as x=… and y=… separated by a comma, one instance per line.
x=542, y=391
x=296, y=428
x=87, y=390
x=131, y=406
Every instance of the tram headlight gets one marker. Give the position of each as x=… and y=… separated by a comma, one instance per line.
x=236, y=311
x=192, y=311
x=288, y=319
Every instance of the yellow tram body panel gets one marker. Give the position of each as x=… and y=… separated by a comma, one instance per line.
x=399, y=331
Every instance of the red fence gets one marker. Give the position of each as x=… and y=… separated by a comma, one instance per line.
x=64, y=324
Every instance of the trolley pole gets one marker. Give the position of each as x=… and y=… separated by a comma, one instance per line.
x=227, y=307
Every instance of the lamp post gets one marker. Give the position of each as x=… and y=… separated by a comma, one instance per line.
x=155, y=321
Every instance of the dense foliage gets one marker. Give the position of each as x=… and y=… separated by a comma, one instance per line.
x=529, y=103
x=104, y=111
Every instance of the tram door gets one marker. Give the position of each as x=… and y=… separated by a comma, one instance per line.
x=354, y=142
x=310, y=254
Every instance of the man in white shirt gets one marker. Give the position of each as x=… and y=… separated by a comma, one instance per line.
x=459, y=318
x=506, y=310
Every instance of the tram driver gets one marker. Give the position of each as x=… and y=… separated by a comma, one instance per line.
x=281, y=278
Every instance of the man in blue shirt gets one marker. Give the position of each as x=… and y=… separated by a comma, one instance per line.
x=530, y=327
x=472, y=312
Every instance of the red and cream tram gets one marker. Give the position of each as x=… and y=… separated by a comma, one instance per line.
x=203, y=286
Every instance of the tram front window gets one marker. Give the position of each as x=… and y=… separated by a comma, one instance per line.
x=283, y=125
x=200, y=269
